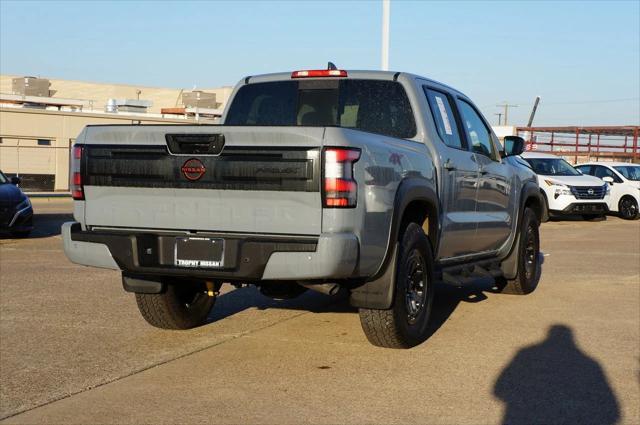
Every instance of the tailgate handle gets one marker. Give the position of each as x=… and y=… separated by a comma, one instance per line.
x=195, y=144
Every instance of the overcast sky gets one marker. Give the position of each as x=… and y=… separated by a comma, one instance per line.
x=583, y=58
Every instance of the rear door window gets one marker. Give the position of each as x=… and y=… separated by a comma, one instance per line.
x=584, y=169
x=370, y=105
x=443, y=116
x=601, y=171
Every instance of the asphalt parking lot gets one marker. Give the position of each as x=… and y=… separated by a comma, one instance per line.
x=73, y=348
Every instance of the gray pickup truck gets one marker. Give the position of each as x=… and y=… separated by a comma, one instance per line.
x=380, y=183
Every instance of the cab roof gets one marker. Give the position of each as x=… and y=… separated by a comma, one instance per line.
x=355, y=74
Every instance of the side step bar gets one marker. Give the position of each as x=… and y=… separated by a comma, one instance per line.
x=466, y=274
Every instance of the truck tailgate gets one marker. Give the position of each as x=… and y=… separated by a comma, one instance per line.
x=264, y=180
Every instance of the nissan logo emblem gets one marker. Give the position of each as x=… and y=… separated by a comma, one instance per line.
x=193, y=169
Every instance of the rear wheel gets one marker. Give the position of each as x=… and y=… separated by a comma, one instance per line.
x=405, y=324
x=528, y=252
x=628, y=208
x=182, y=305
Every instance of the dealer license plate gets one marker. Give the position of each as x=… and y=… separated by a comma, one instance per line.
x=199, y=252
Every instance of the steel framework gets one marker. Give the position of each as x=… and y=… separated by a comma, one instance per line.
x=585, y=143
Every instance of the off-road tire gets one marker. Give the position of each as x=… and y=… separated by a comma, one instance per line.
x=528, y=250
x=627, y=206
x=396, y=327
x=182, y=305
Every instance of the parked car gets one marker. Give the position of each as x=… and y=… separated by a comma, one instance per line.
x=16, y=213
x=567, y=191
x=376, y=182
x=624, y=179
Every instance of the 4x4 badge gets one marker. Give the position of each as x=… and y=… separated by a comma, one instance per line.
x=193, y=169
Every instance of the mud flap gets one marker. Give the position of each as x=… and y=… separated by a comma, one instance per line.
x=377, y=294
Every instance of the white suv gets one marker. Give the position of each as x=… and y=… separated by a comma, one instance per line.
x=565, y=189
x=624, y=179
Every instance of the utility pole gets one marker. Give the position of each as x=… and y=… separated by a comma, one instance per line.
x=499, y=114
x=506, y=107
x=533, y=111
x=386, y=10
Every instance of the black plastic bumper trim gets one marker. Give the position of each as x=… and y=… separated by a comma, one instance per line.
x=148, y=253
x=586, y=208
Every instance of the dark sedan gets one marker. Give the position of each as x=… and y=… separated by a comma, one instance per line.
x=16, y=213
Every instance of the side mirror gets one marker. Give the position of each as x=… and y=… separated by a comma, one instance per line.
x=513, y=145
x=15, y=180
x=608, y=179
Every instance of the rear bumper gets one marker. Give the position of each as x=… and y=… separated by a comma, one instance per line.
x=246, y=258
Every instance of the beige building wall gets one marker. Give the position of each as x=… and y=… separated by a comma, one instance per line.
x=99, y=93
x=21, y=129
x=37, y=141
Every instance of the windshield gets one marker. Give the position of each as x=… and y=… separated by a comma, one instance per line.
x=630, y=172
x=3, y=178
x=370, y=105
x=552, y=167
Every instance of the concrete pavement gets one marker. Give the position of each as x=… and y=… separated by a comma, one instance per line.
x=73, y=348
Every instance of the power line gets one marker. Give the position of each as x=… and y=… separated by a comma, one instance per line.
x=593, y=101
x=506, y=107
x=577, y=102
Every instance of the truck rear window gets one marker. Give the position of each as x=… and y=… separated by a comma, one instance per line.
x=370, y=105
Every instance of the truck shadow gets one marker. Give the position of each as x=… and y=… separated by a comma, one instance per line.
x=238, y=300
x=447, y=299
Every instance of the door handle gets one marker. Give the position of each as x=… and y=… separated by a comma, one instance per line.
x=449, y=165
x=483, y=172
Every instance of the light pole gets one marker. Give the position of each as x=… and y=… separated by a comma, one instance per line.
x=386, y=10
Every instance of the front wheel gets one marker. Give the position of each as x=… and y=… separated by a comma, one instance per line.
x=628, y=208
x=528, y=253
x=405, y=324
x=183, y=305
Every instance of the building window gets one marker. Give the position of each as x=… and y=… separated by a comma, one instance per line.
x=44, y=142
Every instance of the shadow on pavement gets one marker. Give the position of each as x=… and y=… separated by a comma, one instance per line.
x=577, y=218
x=241, y=299
x=555, y=382
x=447, y=299
x=45, y=225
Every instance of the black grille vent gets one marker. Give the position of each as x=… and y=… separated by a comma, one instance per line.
x=236, y=168
x=589, y=192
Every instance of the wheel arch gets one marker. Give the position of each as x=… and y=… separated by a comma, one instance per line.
x=627, y=196
x=530, y=197
x=416, y=201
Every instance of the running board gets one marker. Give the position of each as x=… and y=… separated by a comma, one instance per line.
x=467, y=274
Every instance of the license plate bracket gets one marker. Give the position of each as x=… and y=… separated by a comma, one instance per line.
x=199, y=252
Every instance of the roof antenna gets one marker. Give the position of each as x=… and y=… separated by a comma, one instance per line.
x=331, y=66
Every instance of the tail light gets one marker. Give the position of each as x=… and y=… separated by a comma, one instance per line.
x=340, y=188
x=75, y=173
x=314, y=73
